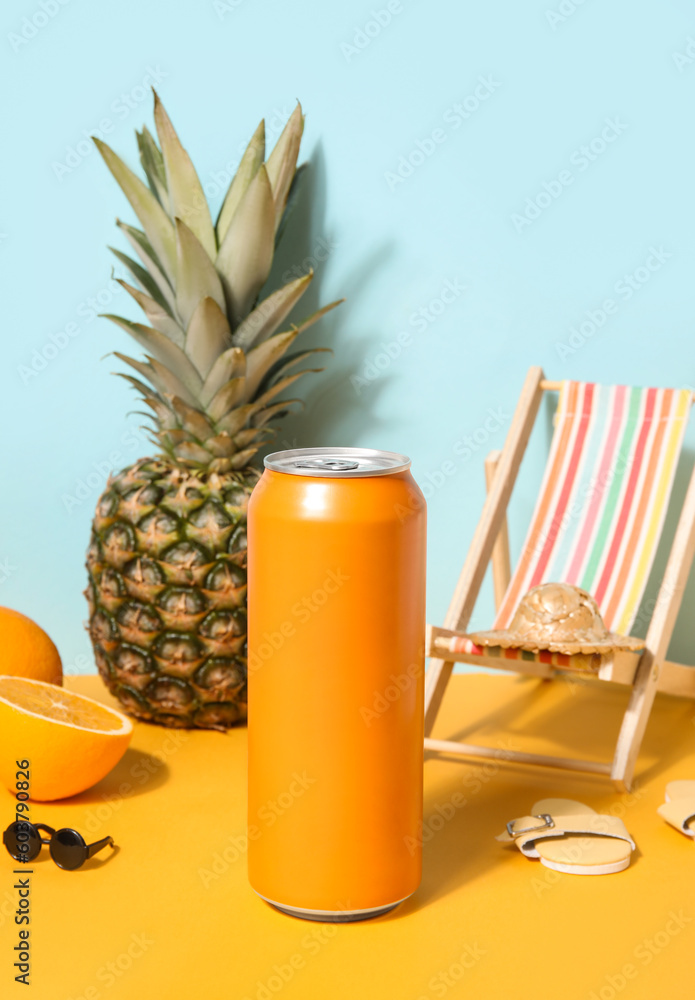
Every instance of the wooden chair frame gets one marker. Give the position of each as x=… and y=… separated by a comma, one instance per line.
x=646, y=672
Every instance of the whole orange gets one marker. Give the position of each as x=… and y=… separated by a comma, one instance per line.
x=26, y=650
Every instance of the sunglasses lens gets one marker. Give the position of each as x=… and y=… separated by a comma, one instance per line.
x=68, y=849
x=22, y=841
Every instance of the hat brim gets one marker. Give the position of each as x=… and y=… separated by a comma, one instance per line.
x=609, y=643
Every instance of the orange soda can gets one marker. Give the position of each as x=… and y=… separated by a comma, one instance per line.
x=336, y=645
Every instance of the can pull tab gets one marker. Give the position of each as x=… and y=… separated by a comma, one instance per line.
x=329, y=464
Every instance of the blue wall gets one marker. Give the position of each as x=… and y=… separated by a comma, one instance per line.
x=484, y=177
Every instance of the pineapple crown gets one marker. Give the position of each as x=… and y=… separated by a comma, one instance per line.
x=214, y=361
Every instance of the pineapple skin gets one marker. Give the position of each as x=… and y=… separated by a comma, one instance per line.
x=167, y=592
x=167, y=558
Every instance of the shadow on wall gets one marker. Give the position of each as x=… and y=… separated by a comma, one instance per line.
x=682, y=647
x=329, y=397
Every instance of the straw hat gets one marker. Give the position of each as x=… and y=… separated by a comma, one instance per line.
x=557, y=618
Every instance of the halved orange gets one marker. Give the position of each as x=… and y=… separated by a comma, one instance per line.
x=70, y=741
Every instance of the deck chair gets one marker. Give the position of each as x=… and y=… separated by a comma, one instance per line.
x=597, y=524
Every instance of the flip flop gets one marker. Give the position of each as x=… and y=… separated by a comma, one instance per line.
x=571, y=837
x=679, y=807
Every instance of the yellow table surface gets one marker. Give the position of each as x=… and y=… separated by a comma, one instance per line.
x=172, y=915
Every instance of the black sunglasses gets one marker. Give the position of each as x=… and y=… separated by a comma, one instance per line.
x=68, y=848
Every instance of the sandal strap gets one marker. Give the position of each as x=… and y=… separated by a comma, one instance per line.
x=679, y=813
x=526, y=831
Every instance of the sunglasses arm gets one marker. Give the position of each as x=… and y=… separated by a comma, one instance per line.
x=93, y=849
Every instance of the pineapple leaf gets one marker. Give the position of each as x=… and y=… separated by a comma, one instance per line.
x=277, y=370
x=164, y=381
x=192, y=420
x=250, y=434
x=157, y=224
x=142, y=276
x=259, y=359
x=233, y=421
x=262, y=358
x=197, y=275
x=242, y=458
x=208, y=336
x=156, y=314
x=283, y=383
x=189, y=451
x=221, y=445
x=166, y=376
x=154, y=437
x=166, y=352
x=215, y=366
x=246, y=171
x=231, y=364
x=188, y=201
x=165, y=417
x=282, y=162
x=153, y=165
x=316, y=316
x=177, y=435
x=246, y=253
x=227, y=398
x=142, y=248
x=269, y=313
x=292, y=200
x=276, y=410
x=142, y=413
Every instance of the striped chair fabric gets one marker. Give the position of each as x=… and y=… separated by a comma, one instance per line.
x=602, y=502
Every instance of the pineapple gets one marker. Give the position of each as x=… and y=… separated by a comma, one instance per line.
x=167, y=558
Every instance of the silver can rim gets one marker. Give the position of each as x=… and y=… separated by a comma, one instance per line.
x=377, y=462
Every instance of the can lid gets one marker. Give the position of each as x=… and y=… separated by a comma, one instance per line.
x=336, y=463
